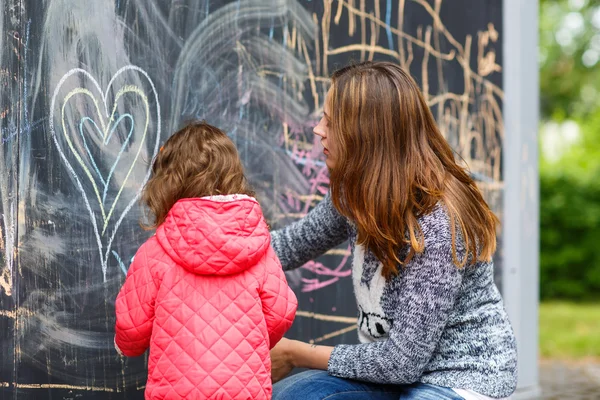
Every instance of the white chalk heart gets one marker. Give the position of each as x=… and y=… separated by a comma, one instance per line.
x=89, y=138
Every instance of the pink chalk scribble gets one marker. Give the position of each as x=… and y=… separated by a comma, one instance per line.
x=322, y=271
x=306, y=152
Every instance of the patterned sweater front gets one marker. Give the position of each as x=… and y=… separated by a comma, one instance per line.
x=433, y=323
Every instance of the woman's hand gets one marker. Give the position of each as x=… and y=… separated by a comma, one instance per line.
x=282, y=359
x=288, y=354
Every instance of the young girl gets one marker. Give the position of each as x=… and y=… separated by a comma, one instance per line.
x=206, y=293
x=430, y=318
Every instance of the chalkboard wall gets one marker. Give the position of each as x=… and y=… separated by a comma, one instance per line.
x=90, y=89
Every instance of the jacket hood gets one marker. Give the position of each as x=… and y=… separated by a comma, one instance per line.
x=215, y=235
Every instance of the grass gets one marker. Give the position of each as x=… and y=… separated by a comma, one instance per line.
x=569, y=331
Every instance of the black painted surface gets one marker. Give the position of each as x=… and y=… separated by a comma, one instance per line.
x=70, y=176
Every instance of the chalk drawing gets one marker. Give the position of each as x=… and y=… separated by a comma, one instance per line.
x=106, y=131
x=259, y=69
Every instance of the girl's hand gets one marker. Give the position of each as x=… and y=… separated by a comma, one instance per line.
x=282, y=359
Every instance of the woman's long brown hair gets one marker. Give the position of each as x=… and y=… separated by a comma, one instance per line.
x=199, y=160
x=393, y=165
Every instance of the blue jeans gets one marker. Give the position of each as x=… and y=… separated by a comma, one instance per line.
x=319, y=385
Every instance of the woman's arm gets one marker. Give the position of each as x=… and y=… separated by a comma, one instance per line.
x=320, y=230
x=430, y=285
x=289, y=354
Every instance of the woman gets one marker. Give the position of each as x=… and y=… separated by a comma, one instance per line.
x=431, y=321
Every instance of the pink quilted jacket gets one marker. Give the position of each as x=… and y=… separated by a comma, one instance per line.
x=208, y=296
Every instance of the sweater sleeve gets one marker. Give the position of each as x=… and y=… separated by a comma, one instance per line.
x=320, y=230
x=429, y=287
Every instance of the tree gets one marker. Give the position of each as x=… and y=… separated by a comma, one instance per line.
x=570, y=188
x=569, y=58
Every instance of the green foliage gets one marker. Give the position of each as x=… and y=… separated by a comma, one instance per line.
x=570, y=238
x=581, y=160
x=569, y=49
x=570, y=186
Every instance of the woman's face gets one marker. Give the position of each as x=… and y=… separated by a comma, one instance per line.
x=322, y=130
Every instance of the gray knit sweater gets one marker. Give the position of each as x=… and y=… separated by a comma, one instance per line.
x=433, y=323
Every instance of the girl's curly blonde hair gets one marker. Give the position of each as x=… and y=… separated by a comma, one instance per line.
x=198, y=160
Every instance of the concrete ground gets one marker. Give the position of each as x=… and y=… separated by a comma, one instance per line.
x=568, y=380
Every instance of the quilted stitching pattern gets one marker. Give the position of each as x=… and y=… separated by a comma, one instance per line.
x=208, y=295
